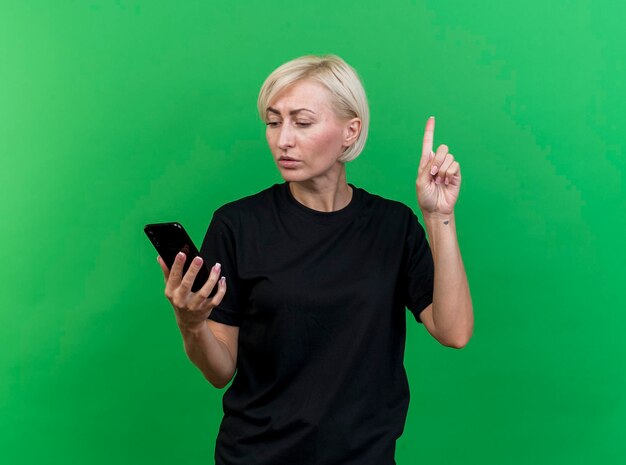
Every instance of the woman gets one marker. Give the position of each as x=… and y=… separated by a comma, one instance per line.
x=320, y=273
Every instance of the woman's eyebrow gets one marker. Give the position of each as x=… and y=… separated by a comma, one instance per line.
x=292, y=112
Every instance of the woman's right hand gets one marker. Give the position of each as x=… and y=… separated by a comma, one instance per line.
x=192, y=308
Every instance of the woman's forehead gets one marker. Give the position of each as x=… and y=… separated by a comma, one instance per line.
x=302, y=95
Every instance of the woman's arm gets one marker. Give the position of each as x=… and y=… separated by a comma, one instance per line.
x=450, y=318
x=211, y=346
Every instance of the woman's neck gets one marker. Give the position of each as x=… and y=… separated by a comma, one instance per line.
x=326, y=195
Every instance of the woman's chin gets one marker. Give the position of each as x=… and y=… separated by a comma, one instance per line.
x=293, y=175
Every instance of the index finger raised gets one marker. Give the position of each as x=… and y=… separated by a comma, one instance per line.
x=427, y=144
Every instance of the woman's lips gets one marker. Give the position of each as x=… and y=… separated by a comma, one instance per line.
x=288, y=162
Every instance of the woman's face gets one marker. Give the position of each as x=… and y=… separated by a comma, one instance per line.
x=304, y=134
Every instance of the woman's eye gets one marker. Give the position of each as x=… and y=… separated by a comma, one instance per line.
x=303, y=124
x=273, y=124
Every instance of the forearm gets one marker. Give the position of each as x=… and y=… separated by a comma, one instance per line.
x=209, y=354
x=453, y=316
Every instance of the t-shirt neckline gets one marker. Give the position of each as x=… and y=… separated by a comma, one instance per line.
x=338, y=216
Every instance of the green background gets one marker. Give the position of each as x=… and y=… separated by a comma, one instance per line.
x=116, y=114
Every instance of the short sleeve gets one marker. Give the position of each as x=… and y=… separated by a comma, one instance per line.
x=219, y=247
x=419, y=270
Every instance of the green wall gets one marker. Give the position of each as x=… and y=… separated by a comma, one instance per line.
x=120, y=113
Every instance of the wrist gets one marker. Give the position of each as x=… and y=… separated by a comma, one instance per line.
x=438, y=217
x=191, y=329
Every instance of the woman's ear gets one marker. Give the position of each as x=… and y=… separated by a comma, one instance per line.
x=351, y=132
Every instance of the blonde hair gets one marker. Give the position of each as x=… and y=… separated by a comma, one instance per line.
x=348, y=97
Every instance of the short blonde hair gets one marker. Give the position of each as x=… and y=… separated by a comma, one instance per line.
x=348, y=97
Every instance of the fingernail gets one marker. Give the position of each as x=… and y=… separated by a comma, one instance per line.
x=223, y=280
x=432, y=117
x=438, y=180
x=447, y=181
x=434, y=170
x=197, y=260
x=181, y=255
x=217, y=266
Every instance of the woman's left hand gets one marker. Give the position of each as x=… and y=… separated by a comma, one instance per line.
x=438, y=178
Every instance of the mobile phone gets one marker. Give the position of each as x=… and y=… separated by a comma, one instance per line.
x=171, y=238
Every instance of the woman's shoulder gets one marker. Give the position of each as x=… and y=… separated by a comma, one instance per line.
x=245, y=206
x=384, y=205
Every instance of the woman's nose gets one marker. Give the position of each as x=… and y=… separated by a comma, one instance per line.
x=286, y=137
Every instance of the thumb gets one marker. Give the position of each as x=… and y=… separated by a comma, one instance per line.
x=164, y=268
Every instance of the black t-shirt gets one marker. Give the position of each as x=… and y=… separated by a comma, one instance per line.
x=320, y=299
